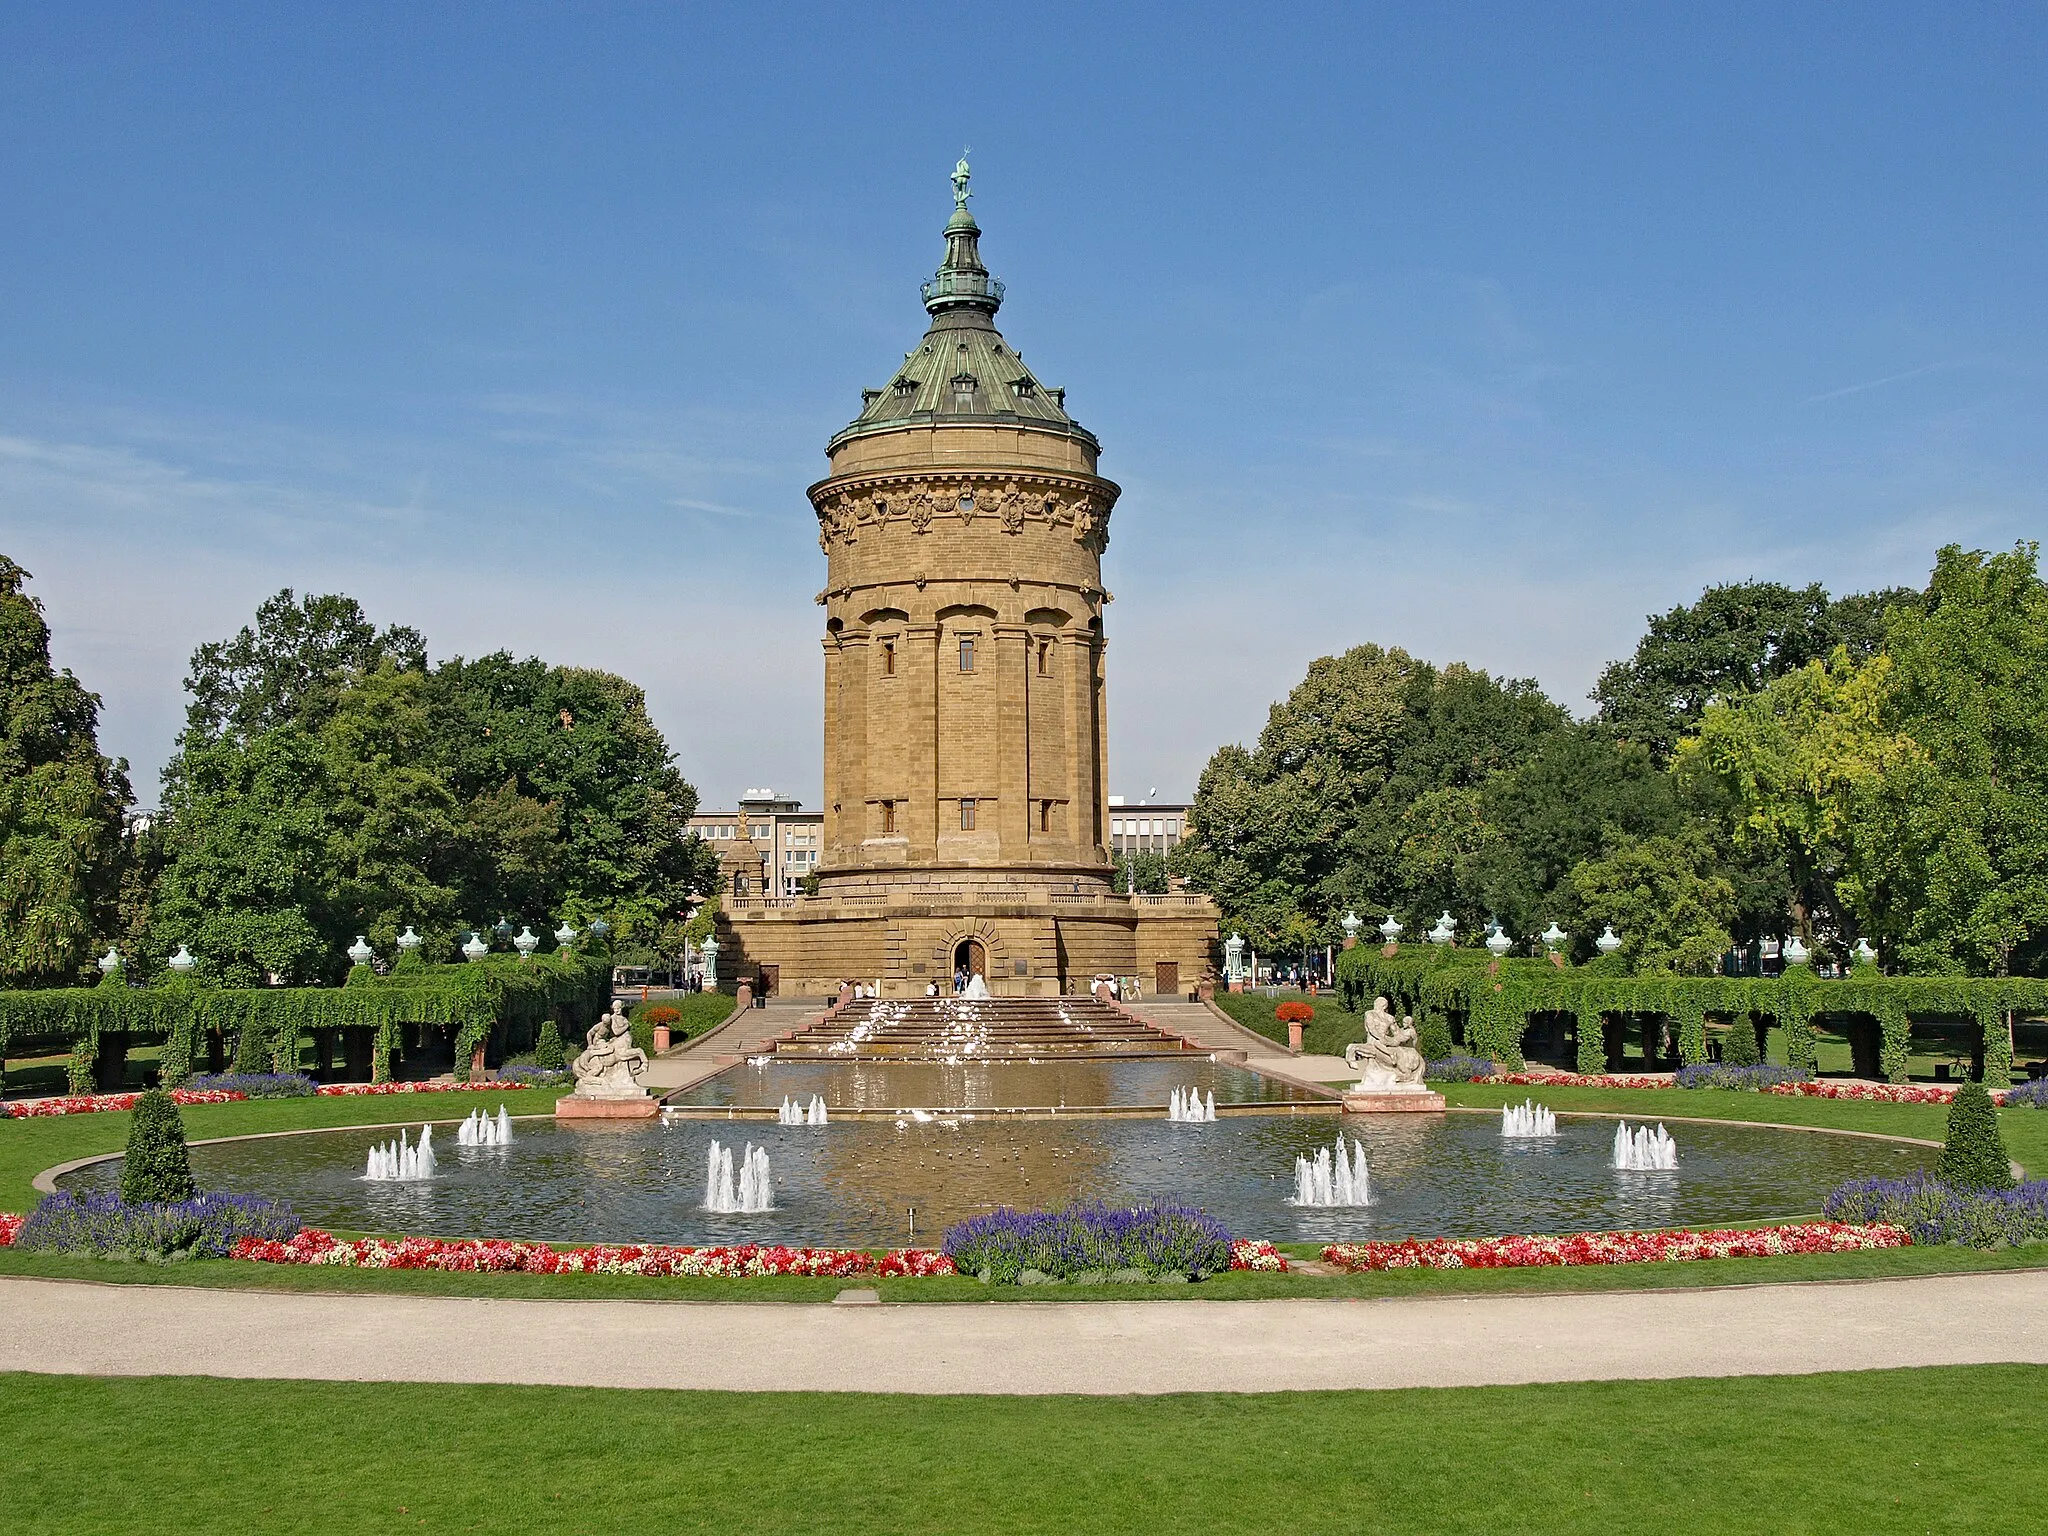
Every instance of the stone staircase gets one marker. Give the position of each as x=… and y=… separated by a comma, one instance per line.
x=984, y=1029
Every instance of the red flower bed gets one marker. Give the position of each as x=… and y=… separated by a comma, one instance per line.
x=1261, y=1255
x=1578, y=1080
x=94, y=1103
x=368, y=1090
x=1880, y=1093
x=1294, y=1013
x=470, y=1255
x=1616, y=1247
x=1875, y=1093
x=9, y=1225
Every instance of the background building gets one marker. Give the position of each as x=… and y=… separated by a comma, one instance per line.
x=1146, y=826
x=769, y=842
x=966, y=822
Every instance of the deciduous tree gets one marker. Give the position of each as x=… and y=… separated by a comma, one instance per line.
x=61, y=805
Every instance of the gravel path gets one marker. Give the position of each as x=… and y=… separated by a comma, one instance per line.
x=1037, y=1347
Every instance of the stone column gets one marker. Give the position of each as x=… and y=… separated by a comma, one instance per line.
x=1011, y=655
x=834, y=660
x=918, y=818
x=1077, y=664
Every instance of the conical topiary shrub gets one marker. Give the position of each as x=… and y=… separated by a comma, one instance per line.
x=1738, y=1046
x=156, y=1168
x=547, y=1051
x=1974, y=1155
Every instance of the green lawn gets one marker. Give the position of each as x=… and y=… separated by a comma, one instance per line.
x=1327, y=1033
x=1880, y=1451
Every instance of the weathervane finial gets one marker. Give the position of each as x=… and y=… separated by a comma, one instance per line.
x=960, y=179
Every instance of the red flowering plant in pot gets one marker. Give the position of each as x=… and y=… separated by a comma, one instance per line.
x=662, y=1018
x=1294, y=1016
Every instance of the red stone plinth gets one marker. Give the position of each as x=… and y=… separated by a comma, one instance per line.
x=1393, y=1103
x=661, y=1038
x=574, y=1107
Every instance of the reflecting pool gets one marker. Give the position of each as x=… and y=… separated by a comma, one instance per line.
x=857, y=1182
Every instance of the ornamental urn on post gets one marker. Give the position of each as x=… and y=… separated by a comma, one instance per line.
x=1498, y=943
x=1607, y=943
x=110, y=963
x=526, y=943
x=1351, y=924
x=1865, y=955
x=565, y=935
x=475, y=949
x=408, y=941
x=1390, y=930
x=1796, y=953
x=1233, y=962
x=709, y=949
x=183, y=961
x=360, y=953
x=1445, y=931
x=1553, y=936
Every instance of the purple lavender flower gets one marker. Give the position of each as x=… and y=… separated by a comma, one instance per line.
x=1935, y=1212
x=1458, y=1068
x=1090, y=1239
x=205, y=1227
x=258, y=1085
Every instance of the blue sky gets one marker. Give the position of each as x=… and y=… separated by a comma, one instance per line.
x=1477, y=330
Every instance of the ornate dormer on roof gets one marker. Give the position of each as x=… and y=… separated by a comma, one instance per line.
x=963, y=370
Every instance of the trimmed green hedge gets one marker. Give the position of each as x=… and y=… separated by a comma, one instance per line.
x=1494, y=999
x=261, y=1027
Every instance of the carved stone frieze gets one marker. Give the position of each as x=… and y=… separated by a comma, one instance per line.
x=1013, y=502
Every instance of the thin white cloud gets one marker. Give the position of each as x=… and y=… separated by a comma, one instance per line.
x=1869, y=384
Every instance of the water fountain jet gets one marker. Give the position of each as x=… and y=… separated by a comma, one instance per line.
x=738, y=1192
x=395, y=1162
x=1527, y=1119
x=1644, y=1150
x=1328, y=1182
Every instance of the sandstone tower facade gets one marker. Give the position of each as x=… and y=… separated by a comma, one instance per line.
x=966, y=810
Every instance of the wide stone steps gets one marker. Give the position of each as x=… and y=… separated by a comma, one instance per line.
x=990, y=1029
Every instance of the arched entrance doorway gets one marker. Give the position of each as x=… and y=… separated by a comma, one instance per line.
x=971, y=956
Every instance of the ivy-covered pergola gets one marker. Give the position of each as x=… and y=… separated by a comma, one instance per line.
x=1460, y=993
x=498, y=1006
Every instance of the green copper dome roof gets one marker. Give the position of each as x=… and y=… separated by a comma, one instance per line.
x=962, y=371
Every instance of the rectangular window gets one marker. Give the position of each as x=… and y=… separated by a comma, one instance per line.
x=966, y=653
x=1045, y=815
x=888, y=658
x=1044, y=658
x=888, y=816
x=1116, y=826
x=966, y=815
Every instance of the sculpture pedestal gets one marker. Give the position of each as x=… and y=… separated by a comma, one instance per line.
x=1427, y=1102
x=577, y=1106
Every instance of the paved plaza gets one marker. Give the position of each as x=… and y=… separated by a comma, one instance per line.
x=1029, y=1347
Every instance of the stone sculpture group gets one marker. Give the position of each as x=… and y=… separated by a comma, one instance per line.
x=1389, y=1066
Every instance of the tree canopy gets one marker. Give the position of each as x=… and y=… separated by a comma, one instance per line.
x=1909, y=790
x=1770, y=759
x=1735, y=639
x=1363, y=790
x=61, y=804
x=330, y=783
